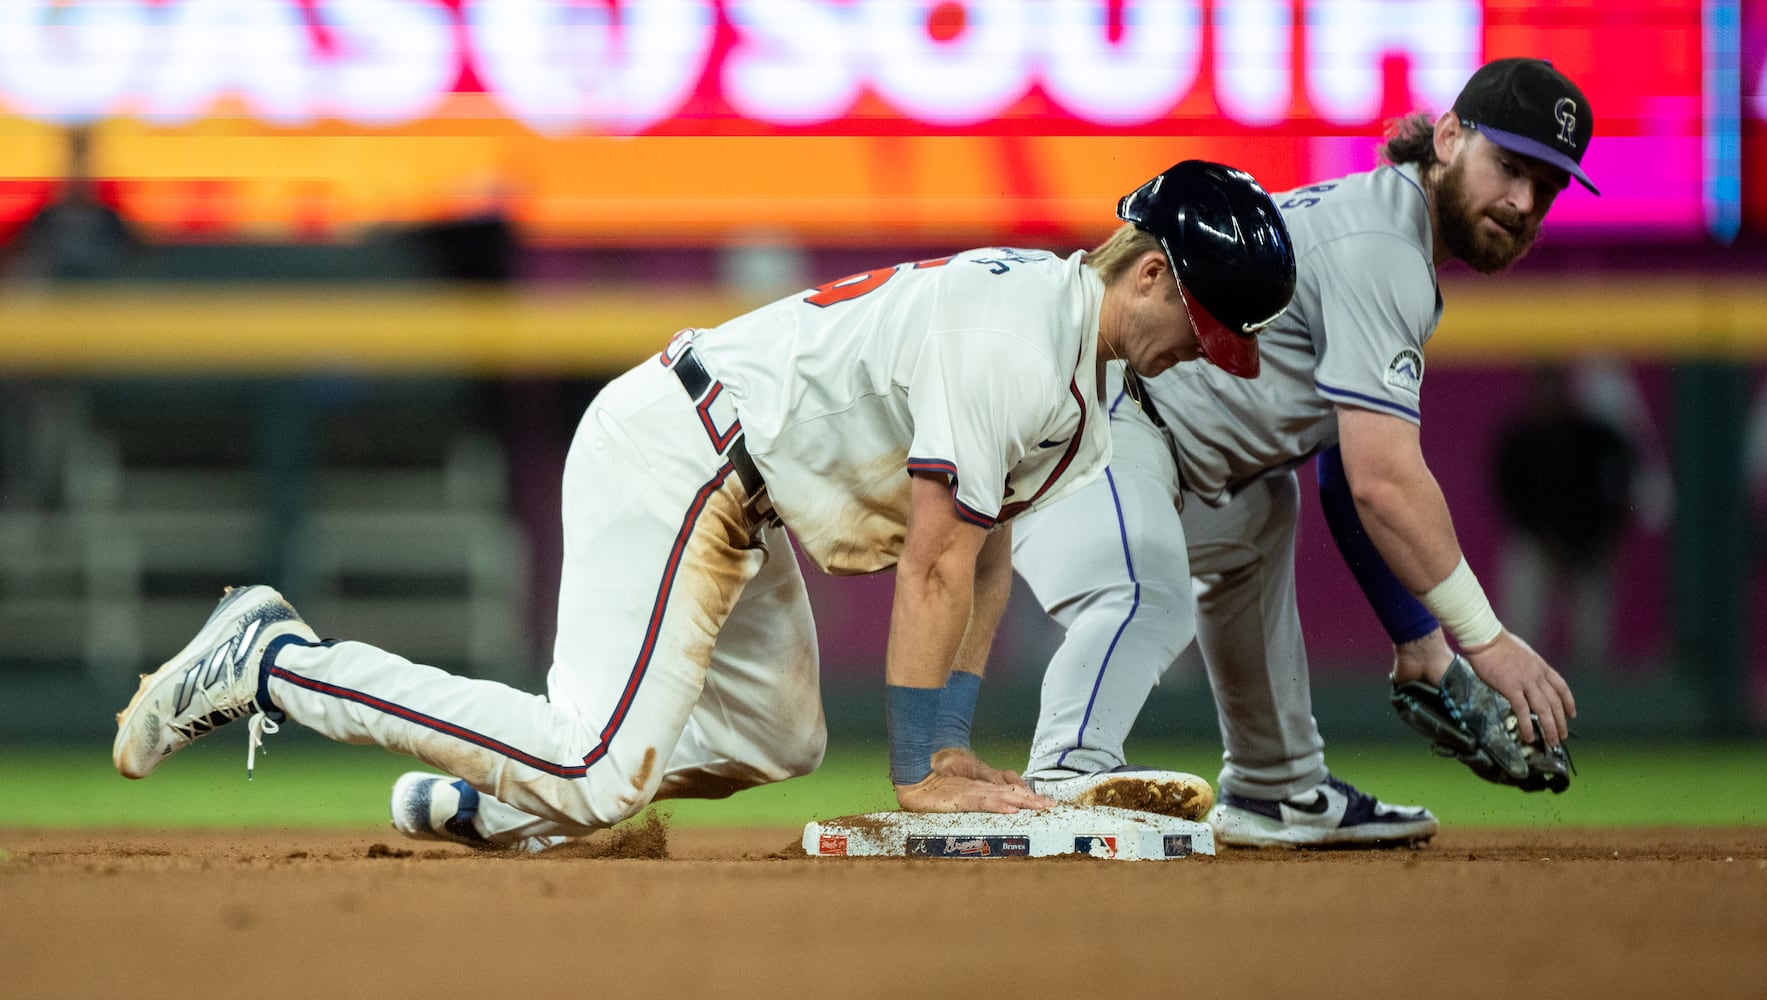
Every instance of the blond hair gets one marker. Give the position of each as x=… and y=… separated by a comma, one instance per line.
x=1114, y=257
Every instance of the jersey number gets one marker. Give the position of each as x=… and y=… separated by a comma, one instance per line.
x=855, y=285
x=1308, y=202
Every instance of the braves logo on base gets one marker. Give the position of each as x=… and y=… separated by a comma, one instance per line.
x=969, y=847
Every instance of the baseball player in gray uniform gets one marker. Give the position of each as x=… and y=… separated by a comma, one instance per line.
x=901, y=417
x=1190, y=532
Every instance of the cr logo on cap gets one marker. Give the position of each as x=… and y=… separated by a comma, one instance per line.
x=1566, y=113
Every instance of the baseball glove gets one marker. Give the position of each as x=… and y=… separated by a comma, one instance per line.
x=1468, y=720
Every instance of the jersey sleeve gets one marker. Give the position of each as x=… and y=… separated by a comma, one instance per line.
x=1378, y=305
x=1400, y=612
x=979, y=400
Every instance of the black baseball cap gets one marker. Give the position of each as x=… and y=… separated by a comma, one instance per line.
x=1528, y=107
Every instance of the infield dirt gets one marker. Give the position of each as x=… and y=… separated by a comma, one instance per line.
x=654, y=912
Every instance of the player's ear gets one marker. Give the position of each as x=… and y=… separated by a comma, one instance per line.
x=1153, y=272
x=1449, y=136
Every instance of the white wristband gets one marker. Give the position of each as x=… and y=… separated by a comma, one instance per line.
x=1459, y=603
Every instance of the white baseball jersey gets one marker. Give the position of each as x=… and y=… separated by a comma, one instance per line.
x=1365, y=304
x=980, y=366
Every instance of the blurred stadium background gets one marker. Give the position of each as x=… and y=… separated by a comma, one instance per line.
x=312, y=292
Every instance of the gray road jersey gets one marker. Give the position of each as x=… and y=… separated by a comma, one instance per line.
x=1365, y=303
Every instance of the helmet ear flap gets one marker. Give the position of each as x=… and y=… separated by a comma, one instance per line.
x=1232, y=351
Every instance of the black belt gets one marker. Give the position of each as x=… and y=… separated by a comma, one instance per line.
x=697, y=381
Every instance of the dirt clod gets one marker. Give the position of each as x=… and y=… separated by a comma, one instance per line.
x=646, y=837
x=1163, y=797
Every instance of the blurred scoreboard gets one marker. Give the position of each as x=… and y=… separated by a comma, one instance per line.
x=828, y=121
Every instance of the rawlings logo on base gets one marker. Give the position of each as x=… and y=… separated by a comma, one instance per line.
x=831, y=845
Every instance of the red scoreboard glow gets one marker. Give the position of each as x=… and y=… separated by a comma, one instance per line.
x=853, y=121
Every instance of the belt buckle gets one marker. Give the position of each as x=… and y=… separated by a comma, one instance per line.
x=759, y=507
x=758, y=504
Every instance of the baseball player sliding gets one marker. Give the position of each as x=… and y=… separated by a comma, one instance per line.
x=901, y=417
x=1200, y=492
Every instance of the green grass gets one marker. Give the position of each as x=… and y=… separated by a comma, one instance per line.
x=307, y=782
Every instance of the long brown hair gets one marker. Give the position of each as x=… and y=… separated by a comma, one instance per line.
x=1411, y=139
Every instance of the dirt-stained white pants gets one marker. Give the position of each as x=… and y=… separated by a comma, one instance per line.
x=1134, y=581
x=685, y=664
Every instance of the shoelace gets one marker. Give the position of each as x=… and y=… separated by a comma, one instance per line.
x=257, y=728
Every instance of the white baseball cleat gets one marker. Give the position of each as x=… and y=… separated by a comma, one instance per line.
x=1332, y=813
x=215, y=679
x=1147, y=789
x=429, y=806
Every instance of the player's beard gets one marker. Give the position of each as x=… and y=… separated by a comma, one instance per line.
x=1484, y=251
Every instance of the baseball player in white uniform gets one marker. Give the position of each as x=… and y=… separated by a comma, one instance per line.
x=901, y=417
x=1190, y=531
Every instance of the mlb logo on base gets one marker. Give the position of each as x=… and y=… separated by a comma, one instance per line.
x=1095, y=847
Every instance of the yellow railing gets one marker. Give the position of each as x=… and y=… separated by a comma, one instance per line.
x=275, y=330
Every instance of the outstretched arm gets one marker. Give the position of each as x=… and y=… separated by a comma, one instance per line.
x=1406, y=518
x=1420, y=650
x=947, y=604
x=951, y=747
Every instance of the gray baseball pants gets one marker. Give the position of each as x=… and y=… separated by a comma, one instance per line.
x=1133, y=580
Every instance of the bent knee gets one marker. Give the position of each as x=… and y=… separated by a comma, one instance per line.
x=605, y=803
x=1147, y=599
x=805, y=755
x=784, y=760
x=793, y=755
x=591, y=801
x=1158, y=621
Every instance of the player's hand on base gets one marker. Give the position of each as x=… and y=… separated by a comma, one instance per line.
x=1533, y=688
x=962, y=762
x=952, y=793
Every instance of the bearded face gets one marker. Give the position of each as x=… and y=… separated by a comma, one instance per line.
x=1487, y=234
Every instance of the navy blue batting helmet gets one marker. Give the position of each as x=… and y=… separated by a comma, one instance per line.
x=1229, y=250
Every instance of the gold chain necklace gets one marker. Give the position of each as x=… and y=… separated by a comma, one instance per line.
x=1131, y=381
